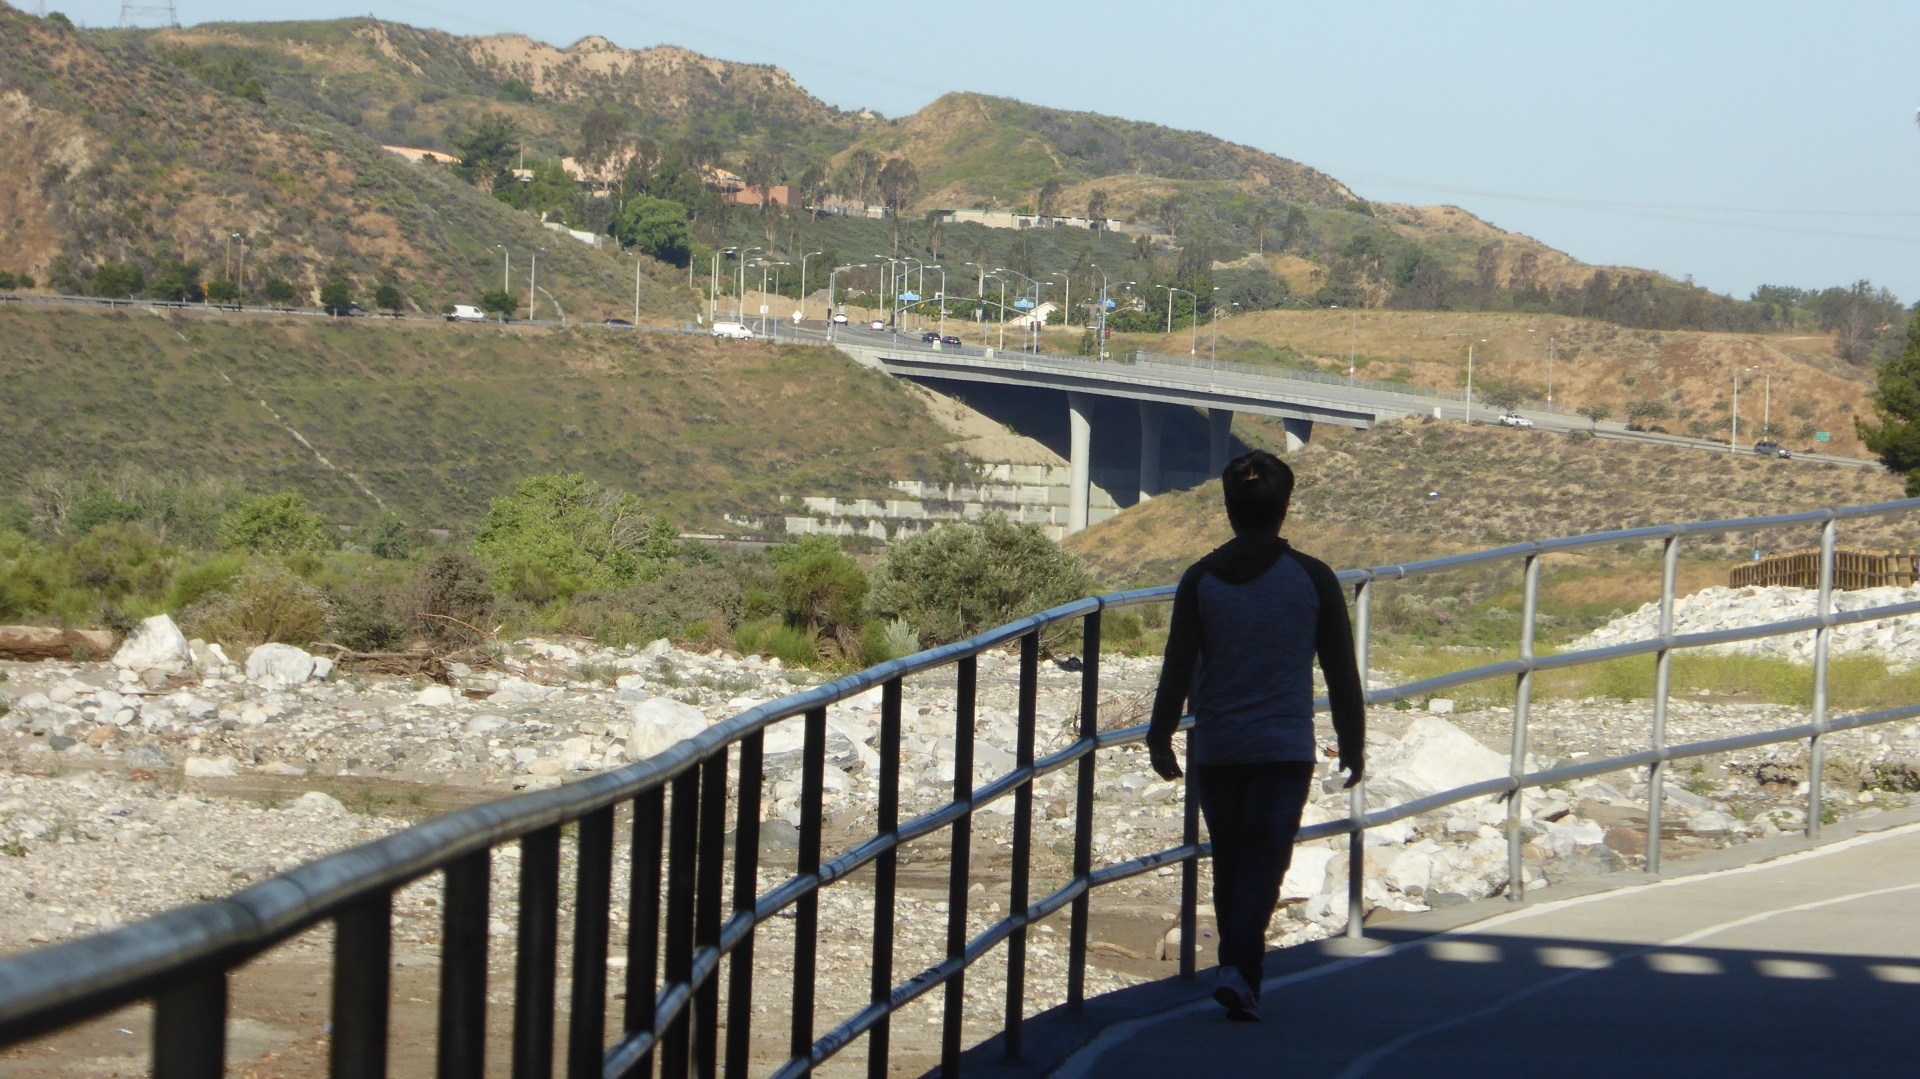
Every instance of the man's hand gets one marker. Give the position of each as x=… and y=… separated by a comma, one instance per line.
x=1354, y=766
x=1165, y=763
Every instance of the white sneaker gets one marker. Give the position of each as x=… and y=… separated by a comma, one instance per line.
x=1235, y=995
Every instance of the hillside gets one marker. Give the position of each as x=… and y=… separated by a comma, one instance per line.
x=1418, y=489
x=1687, y=374
x=112, y=153
x=433, y=420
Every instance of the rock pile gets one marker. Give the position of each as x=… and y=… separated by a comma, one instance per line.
x=1896, y=640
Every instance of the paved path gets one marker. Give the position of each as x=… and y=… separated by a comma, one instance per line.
x=1808, y=965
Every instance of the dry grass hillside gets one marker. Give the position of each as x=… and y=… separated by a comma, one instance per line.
x=433, y=420
x=111, y=153
x=1690, y=373
x=1418, y=489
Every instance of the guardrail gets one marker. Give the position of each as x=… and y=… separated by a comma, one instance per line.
x=682, y=933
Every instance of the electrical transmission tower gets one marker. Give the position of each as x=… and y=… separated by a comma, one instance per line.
x=131, y=13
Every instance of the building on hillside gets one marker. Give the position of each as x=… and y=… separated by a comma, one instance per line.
x=1036, y=317
x=778, y=194
x=721, y=180
x=591, y=239
x=1008, y=219
x=417, y=155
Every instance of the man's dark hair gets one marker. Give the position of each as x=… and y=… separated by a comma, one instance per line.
x=1258, y=487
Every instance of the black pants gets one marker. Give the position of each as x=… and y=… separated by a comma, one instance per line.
x=1253, y=813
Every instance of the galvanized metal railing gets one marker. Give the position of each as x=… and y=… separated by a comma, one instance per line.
x=684, y=928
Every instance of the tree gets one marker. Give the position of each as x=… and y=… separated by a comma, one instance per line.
x=762, y=171
x=813, y=188
x=388, y=297
x=600, y=139
x=222, y=291
x=1047, y=200
x=336, y=294
x=498, y=302
x=1596, y=413
x=657, y=227
x=862, y=170
x=275, y=524
x=179, y=282
x=1648, y=410
x=899, y=182
x=1097, y=203
x=117, y=280
x=277, y=290
x=1294, y=232
x=1504, y=398
x=1173, y=210
x=488, y=147
x=388, y=536
x=1896, y=438
x=560, y=533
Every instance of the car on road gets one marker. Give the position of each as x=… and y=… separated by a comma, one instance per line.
x=950, y=339
x=877, y=324
x=1767, y=447
x=840, y=319
x=617, y=322
x=732, y=331
x=466, y=313
x=930, y=338
x=1514, y=419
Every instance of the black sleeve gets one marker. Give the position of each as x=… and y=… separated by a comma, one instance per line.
x=1183, y=655
x=1333, y=641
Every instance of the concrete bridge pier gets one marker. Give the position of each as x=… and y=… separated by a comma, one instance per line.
x=1150, y=481
x=1299, y=432
x=1219, y=438
x=1079, y=459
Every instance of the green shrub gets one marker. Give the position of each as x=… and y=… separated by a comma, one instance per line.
x=960, y=579
x=791, y=646
x=275, y=524
x=559, y=534
x=215, y=573
x=119, y=561
x=117, y=280
x=32, y=578
x=363, y=617
x=277, y=290
x=267, y=603
x=456, y=600
x=387, y=536
x=821, y=589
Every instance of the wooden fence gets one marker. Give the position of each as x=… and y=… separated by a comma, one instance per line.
x=1851, y=570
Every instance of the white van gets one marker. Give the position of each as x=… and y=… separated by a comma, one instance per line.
x=732, y=331
x=466, y=313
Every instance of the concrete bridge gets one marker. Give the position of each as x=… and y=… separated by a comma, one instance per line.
x=1299, y=399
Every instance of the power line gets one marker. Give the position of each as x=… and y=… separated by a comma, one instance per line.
x=131, y=13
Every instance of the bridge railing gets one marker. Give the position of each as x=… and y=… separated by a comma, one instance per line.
x=688, y=932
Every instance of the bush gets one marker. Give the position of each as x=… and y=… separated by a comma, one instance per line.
x=336, y=293
x=657, y=227
x=220, y=290
x=960, y=579
x=559, y=534
x=119, y=561
x=364, y=619
x=497, y=302
x=456, y=600
x=822, y=589
x=791, y=645
x=277, y=290
x=387, y=536
x=179, y=282
x=267, y=603
x=692, y=603
x=117, y=280
x=388, y=297
x=31, y=577
x=275, y=524
x=202, y=579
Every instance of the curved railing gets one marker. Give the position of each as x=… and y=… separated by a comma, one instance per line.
x=681, y=934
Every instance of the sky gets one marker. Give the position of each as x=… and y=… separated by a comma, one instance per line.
x=1740, y=144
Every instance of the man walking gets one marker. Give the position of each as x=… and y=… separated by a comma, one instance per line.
x=1248, y=620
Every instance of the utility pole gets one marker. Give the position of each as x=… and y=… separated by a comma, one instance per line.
x=1549, y=372
x=1470, y=345
x=636, y=286
x=1353, y=342
x=533, y=277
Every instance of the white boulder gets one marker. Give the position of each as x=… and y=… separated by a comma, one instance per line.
x=279, y=665
x=517, y=691
x=158, y=645
x=659, y=722
x=434, y=697
x=1431, y=757
x=211, y=767
x=1306, y=874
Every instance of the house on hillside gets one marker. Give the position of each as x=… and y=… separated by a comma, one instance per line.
x=1036, y=317
x=778, y=195
x=1007, y=219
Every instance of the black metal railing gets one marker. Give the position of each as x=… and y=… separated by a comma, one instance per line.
x=684, y=926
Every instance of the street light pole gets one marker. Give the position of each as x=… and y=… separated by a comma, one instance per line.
x=1470, y=345
x=1549, y=372
x=803, y=282
x=533, y=277
x=1353, y=342
x=506, y=268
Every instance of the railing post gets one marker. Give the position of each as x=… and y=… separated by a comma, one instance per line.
x=1822, y=640
x=643, y=919
x=362, y=970
x=190, y=1029
x=711, y=862
x=959, y=865
x=592, y=908
x=885, y=873
x=1189, y=870
x=534, y=958
x=1017, y=891
x=1522, y=704
x=1357, y=794
x=1083, y=812
x=1662, y=689
x=463, y=967
x=683, y=841
x=806, y=911
x=746, y=888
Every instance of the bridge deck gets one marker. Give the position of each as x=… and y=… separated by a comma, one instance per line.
x=1807, y=964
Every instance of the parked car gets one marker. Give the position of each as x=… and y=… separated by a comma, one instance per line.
x=1767, y=447
x=619, y=322
x=840, y=318
x=877, y=324
x=950, y=339
x=1514, y=419
x=732, y=331
x=930, y=338
x=463, y=312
